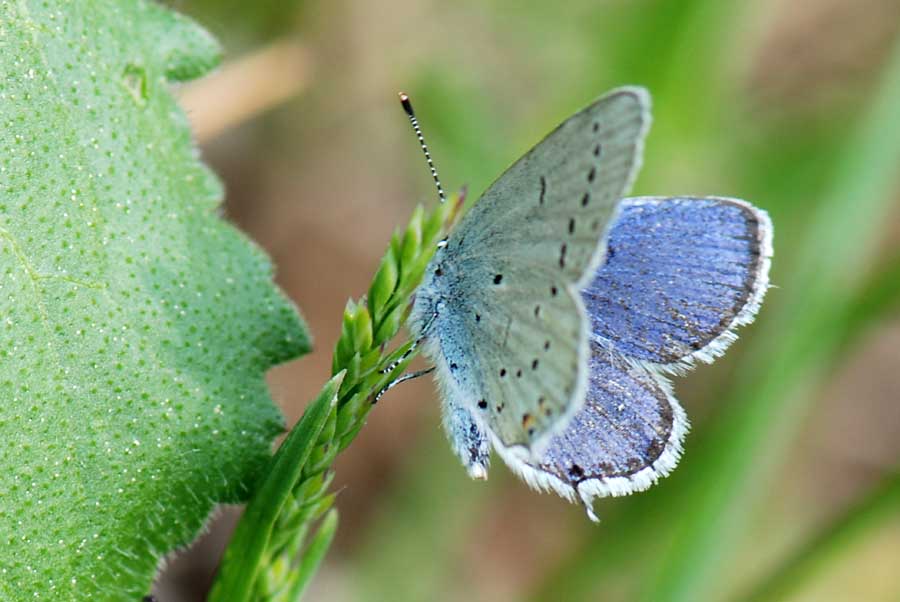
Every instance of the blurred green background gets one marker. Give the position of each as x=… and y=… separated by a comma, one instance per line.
x=789, y=487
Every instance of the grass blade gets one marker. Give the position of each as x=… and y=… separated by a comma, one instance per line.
x=246, y=550
x=877, y=300
x=828, y=546
x=790, y=355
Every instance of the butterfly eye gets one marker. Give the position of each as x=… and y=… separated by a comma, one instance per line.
x=439, y=272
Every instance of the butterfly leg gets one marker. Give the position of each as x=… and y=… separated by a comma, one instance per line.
x=402, y=379
x=412, y=348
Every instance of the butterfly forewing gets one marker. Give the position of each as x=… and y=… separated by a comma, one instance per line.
x=553, y=205
x=512, y=269
x=682, y=273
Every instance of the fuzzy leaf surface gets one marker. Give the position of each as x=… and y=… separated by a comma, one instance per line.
x=135, y=324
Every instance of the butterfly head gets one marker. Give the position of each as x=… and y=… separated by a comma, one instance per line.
x=429, y=297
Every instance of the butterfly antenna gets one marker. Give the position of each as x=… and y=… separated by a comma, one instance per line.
x=407, y=106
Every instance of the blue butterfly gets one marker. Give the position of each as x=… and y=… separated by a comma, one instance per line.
x=555, y=307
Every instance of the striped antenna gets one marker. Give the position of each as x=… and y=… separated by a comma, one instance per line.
x=407, y=106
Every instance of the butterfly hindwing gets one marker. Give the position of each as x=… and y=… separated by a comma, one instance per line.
x=627, y=435
x=509, y=335
x=680, y=275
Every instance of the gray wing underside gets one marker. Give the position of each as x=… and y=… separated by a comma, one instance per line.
x=523, y=251
x=525, y=356
x=564, y=191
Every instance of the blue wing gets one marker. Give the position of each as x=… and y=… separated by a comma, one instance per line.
x=680, y=275
x=627, y=435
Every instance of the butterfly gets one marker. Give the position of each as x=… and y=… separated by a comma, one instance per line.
x=555, y=307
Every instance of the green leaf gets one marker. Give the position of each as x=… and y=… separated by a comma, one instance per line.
x=137, y=325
